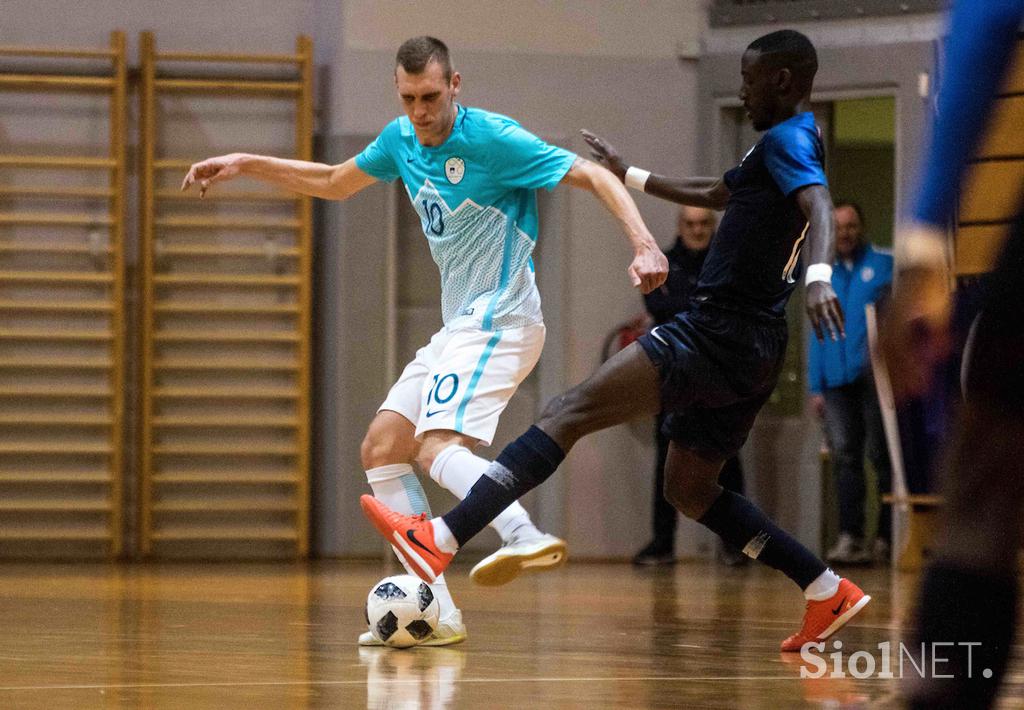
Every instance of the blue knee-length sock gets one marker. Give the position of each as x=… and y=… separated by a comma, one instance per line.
x=522, y=466
x=745, y=526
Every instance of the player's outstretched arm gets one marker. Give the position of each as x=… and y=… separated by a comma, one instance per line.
x=914, y=335
x=694, y=191
x=331, y=182
x=822, y=305
x=649, y=267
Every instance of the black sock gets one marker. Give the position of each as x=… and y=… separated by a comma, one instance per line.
x=961, y=606
x=522, y=466
x=744, y=526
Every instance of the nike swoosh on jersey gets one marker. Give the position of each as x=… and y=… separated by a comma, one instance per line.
x=654, y=334
x=409, y=534
x=436, y=411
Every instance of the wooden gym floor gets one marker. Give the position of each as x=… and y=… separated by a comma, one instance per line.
x=265, y=635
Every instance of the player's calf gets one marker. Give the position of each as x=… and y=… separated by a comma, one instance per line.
x=692, y=500
x=566, y=417
x=625, y=387
x=436, y=442
x=691, y=482
x=390, y=439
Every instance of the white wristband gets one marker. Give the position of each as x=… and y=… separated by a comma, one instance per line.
x=636, y=178
x=921, y=245
x=818, y=272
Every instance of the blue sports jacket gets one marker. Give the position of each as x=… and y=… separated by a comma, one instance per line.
x=865, y=280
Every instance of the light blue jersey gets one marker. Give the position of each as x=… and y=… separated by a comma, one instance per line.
x=476, y=198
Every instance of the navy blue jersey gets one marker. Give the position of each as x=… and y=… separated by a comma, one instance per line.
x=754, y=260
x=684, y=267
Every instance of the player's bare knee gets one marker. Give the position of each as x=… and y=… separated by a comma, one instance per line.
x=437, y=441
x=695, y=506
x=373, y=452
x=390, y=439
x=381, y=447
x=552, y=409
x=569, y=412
x=680, y=500
x=691, y=496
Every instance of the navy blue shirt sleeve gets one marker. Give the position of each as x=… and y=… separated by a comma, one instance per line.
x=792, y=155
x=660, y=304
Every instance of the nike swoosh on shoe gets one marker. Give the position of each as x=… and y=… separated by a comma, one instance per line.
x=412, y=537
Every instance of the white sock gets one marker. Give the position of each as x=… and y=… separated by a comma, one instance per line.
x=457, y=469
x=446, y=605
x=391, y=485
x=443, y=537
x=398, y=487
x=826, y=585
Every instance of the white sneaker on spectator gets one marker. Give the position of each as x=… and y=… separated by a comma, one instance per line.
x=847, y=550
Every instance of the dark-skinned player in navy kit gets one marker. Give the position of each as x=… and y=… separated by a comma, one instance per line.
x=716, y=363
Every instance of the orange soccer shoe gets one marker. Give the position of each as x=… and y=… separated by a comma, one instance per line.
x=412, y=536
x=824, y=618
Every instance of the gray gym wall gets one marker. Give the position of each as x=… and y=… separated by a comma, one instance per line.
x=556, y=67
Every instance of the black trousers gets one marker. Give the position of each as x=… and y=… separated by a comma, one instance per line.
x=665, y=515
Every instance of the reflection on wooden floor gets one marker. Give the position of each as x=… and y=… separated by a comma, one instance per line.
x=259, y=636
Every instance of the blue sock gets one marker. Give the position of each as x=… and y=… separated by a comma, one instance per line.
x=522, y=466
x=745, y=526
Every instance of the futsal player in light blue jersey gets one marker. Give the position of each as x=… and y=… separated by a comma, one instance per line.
x=472, y=177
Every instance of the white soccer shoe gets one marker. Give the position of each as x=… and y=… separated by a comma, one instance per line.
x=449, y=630
x=533, y=554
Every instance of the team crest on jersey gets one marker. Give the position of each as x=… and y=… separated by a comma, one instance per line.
x=454, y=169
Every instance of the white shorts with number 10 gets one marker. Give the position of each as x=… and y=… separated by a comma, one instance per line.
x=462, y=379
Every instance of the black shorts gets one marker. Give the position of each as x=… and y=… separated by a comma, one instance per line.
x=718, y=368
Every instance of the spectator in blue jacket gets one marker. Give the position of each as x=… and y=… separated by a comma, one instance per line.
x=842, y=390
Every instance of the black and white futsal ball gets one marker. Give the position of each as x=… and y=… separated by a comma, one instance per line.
x=401, y=610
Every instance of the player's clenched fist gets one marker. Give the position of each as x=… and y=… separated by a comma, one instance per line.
x=211, y=170
x=648, y=270
x=914, y=334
